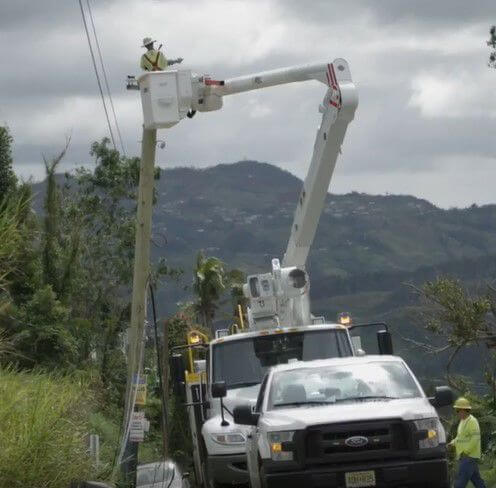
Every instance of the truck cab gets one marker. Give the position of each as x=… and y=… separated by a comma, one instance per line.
x=351, y=422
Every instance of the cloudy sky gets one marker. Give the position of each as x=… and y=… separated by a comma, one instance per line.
x=425, y=125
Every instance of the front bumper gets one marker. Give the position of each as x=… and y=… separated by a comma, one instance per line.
x=429, y=473
x=229, y=469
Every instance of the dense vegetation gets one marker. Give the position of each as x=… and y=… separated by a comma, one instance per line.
x=65, y=274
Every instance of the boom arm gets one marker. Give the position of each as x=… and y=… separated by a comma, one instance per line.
x=169, y=96
x=330, y=136
x=282, y=297
x=338, y=110
x=274, y=77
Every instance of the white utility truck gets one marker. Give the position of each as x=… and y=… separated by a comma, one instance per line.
x=280, y=325
x=345, y=422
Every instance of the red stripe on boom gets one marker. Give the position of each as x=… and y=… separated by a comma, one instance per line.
x=214, y=82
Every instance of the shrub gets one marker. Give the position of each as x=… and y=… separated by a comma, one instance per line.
x=43, y=429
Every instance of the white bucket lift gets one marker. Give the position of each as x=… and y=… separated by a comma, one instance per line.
x=166, y=97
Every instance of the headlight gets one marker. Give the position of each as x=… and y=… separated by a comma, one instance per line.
x=431, y=433
x=230, y=439
x=276, y=441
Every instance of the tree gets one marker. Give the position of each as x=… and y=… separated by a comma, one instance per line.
x=52, y=232
x=8, y=180
x=41, y=332
x=10, y=238
x=462, y=320
x=208, y=285
x=99, y=221
x=235, y=280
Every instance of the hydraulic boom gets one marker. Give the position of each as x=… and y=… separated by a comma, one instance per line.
x=281, y=296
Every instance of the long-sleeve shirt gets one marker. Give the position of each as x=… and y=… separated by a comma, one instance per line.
x=468, y=440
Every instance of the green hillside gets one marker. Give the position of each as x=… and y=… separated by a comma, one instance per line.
x=366, y=249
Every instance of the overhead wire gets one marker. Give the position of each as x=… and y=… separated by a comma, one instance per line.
x=97, y=74
x=104, y=71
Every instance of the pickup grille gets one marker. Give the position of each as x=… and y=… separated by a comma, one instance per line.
x=385, y=439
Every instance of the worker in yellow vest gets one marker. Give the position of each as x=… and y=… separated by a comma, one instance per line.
x=154, y=59
x=467, y=444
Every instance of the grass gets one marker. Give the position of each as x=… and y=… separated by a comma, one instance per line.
x=43, y=428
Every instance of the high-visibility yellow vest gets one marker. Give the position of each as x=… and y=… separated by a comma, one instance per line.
x=468, y=439
x=153, y=61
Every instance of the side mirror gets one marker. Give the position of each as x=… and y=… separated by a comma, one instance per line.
x=178, y=367
x=219, y=389
x=443, y=397
x=244, y=415
x=385, y=342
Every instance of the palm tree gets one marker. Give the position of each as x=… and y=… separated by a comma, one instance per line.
x=208, y=284
x=236, y=279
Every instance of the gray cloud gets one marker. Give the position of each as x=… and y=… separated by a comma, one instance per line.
x=427, y=106
x=440, y=14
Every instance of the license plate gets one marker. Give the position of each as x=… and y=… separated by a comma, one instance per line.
x=360, y=479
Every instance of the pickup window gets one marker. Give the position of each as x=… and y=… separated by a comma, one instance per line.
x=244, y=362
x=345, y=383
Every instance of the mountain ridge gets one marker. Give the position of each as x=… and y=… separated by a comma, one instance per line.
x=366, y=246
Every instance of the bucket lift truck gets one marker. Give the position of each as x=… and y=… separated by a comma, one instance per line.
x=281, y=328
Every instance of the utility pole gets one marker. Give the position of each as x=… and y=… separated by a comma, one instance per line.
x=140, y=279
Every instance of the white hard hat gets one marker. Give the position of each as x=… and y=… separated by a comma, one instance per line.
x=147, y=40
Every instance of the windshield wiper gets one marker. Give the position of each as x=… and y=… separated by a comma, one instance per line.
x=296, y=404
x=369, y=397
x=243, y=384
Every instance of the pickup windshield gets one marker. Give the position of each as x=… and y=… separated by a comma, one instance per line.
x=244, y=362
x=379, y=381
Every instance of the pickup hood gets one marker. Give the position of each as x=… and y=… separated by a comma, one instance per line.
x=297, y=418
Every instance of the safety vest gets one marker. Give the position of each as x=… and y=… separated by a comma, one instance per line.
x=468, y=440
x=153, y=61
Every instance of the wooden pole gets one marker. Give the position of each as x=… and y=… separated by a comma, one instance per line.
x=141, y=268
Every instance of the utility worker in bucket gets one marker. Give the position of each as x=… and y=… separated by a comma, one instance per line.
x=154, y=59
x=467, y=444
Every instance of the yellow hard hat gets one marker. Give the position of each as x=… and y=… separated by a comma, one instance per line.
x=462, y=404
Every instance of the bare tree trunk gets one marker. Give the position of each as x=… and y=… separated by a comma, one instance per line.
x=450, y=380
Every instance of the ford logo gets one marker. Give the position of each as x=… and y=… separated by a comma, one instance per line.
x=356, y=441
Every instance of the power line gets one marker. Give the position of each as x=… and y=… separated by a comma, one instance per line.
x=105, y=77
x=97, y=75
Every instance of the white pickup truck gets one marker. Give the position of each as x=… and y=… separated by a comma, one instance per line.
x=345, y=422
